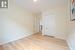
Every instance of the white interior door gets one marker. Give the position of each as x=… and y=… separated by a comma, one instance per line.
x=49, y=25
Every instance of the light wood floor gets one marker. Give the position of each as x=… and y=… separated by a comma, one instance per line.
x=36, y=42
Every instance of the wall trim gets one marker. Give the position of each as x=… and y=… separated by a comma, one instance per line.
x=68, y=44
x=3, y=43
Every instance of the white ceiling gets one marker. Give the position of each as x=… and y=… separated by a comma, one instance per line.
x=40, y=5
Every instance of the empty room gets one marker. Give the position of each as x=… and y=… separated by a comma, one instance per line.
x=37, y=24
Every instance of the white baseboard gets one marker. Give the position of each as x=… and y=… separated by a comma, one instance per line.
x=68, y=44
x=5, y=42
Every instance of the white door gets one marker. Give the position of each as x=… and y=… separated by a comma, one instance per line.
x=49, y=24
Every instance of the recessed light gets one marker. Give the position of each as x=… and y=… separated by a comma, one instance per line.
x=35, y=0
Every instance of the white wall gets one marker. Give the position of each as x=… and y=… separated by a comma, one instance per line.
x=71, y=36
x=0, y=29
x=60, y=13
x=71, y=29
x=16, y=23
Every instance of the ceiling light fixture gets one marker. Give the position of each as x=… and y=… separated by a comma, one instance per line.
x=35, y=0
